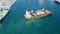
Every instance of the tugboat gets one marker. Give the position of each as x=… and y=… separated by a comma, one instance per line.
x=57, y=1
x=38, y=13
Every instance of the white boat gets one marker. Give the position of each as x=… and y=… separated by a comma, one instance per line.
x=5, y=7
x=38, y=13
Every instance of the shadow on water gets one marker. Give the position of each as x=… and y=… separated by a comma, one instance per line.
x=57, y=2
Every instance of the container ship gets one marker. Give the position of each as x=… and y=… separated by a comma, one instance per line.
x=38, y=13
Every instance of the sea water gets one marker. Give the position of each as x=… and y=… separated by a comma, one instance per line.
x=15, y=23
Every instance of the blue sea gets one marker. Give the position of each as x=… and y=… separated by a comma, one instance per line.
x=15, y=23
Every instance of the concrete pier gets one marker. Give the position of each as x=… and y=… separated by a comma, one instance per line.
x=5, y=7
